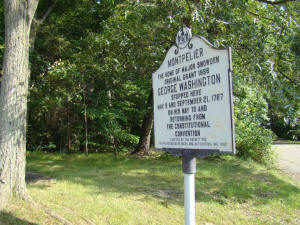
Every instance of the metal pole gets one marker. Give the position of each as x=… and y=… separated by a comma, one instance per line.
x=189, y=170
x=189, y=199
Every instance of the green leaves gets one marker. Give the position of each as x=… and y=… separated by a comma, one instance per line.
x=99, y=57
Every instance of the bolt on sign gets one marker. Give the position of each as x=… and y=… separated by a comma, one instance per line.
x=192, y=90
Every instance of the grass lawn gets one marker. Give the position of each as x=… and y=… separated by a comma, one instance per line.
x=100, y=190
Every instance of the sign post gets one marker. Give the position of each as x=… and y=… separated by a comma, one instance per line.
x=189, y=170
x=193, y=107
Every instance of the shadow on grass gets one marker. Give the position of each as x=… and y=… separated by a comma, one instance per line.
x=9, y=219
x=228, y=180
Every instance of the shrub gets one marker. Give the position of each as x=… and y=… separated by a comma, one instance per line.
x=254, y=141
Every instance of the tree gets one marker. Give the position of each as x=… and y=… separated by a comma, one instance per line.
x=143, y=146
x=13, y=98
x=66, y=63
x=94, y=59
x=146, y=34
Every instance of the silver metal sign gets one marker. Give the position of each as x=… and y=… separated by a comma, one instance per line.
x=192, y=90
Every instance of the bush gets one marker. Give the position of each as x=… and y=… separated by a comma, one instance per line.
x=254, y=141
x=125, y=140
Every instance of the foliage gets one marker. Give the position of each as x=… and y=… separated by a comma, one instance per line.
x=284, y=104
x=97, y=57
x=254, y=142
x=264, y=41
x=253, y=139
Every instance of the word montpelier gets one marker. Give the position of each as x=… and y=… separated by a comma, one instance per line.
x=197, y=53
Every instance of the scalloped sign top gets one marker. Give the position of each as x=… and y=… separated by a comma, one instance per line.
x=192, y=92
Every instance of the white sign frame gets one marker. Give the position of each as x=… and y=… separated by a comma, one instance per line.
x=184, y=66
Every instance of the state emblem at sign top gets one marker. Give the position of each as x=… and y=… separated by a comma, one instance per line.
x=183, y=37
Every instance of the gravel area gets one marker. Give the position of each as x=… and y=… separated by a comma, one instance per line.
x=289, y=159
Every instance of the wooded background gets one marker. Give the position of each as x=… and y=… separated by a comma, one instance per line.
x=91, y=63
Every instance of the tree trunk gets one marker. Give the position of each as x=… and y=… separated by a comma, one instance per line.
x=143, y=148
x=33, y=32
x=13, y=98
x=86, y=150
x=111, y=137
x=69, y=145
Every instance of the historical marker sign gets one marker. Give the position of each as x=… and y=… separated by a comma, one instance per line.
x=192, y=91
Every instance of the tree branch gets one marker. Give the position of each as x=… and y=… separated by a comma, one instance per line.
x=260, y=16
x=36, y=23
x=187, y=20
x=48, y=11
x=276, y=2
x=287, y=77
x=31, y=8
x=261, y=55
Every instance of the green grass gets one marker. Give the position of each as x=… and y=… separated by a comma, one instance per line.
x=150, y=191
